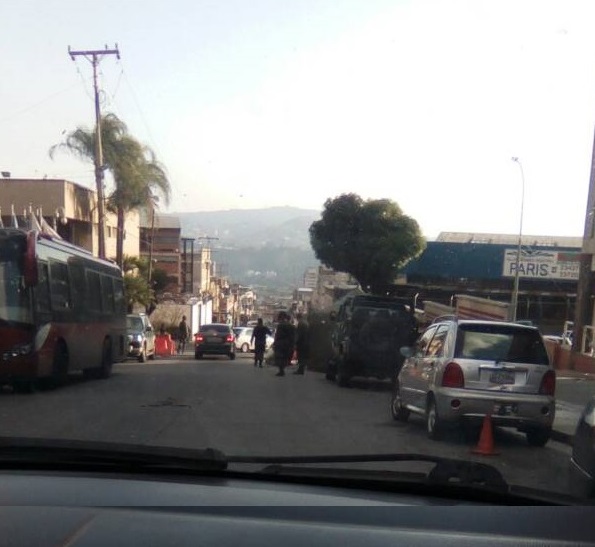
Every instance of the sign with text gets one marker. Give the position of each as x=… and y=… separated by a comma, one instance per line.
x=540, y=264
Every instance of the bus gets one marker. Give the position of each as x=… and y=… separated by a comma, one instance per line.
x=61, y=310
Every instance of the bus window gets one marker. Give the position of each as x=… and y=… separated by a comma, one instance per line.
x=119, y=302
x=59, y=286
x=107, y=294
x=77, y=286
x=94, y=291
x=42, y=290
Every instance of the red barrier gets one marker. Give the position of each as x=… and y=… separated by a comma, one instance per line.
x=163, y=344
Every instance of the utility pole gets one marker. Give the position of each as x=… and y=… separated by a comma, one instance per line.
x=94, y=57
x=584, y=306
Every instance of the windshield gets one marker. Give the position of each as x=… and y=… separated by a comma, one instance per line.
x=15, y=304
x=302, y=162
x=134, y=323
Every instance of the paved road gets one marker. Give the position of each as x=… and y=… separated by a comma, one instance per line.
x=236, y=408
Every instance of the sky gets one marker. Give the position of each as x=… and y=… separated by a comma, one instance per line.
x=262, y=103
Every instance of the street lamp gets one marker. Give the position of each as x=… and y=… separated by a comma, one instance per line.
x=515, y=290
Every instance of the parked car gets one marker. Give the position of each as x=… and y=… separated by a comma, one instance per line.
x=243, y=336
x=466, y=369
x=214, y=339
x=141, y=337
x=582, y=461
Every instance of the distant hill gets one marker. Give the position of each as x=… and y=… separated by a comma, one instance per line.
x=239, y=228
x=269, y=247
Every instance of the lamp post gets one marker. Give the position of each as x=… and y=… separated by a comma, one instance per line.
x=515, y=290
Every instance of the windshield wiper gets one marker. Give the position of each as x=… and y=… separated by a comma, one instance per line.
x=445, y=470
x=19, y=452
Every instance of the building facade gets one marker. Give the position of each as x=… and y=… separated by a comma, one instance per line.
x=68, y=207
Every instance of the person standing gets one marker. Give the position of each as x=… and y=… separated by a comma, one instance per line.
x=302, y=343
x=183, y=335
x=259, y=337
x=284, y=343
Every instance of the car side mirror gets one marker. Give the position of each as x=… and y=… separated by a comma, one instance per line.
x=149, y=329
x=406, y=351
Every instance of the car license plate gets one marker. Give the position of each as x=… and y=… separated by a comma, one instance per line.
x=502, y=377
x=504, y=409
x=213, y=339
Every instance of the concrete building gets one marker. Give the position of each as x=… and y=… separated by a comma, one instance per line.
x=71, y=208
x=160, y=241
x=311, y=278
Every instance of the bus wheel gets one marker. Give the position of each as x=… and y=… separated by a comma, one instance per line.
x=59, y=368
x=105, y=370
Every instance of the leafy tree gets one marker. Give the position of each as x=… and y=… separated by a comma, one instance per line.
x=371, y=239
x=139, y=178
x=160, y=280
x=136, y=285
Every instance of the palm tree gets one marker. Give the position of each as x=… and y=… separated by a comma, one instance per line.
x=138, y=176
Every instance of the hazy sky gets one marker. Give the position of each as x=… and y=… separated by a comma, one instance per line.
x=258, y=103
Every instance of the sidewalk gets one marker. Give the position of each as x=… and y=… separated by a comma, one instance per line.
x=568, y=411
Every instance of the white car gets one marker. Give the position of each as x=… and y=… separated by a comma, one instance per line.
x=242, y=341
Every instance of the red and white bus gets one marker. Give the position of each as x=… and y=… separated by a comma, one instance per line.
x=61, y=310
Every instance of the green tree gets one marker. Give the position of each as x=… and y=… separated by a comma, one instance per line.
x=371, y=239
x=139, y=179
x=136, y=284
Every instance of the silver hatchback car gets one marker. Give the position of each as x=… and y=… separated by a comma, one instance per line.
x=465, y=369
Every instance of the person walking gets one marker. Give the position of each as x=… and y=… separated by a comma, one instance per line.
x=259, y=337
x=284, y=343
x=302, y=343
x=183, y=335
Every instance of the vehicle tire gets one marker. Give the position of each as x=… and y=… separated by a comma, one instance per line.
x=343, y=374
x=245, y=348
x=105, y=369
x=59, y=368
x=198, y=355
x=397, y=410
x=142, y=357
x=434, y=425
x=331, y=370
x=232, y=356
x=538, y=436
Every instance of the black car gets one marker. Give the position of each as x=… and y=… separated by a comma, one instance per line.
x=582, y=462
x=214, y=339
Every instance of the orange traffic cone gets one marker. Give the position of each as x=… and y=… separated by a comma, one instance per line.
x=485, y=446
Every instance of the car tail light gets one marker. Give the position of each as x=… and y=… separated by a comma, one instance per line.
x=199, y=338
x=453, y=375
x=229, y=338
x=548, y=383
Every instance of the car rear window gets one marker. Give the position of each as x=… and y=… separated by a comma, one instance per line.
x=221, y=329
x=500, y=343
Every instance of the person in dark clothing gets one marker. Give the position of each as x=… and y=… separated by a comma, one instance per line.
x=183, y=335
x=284, y=343
x=259, y=336
x=302, y=344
